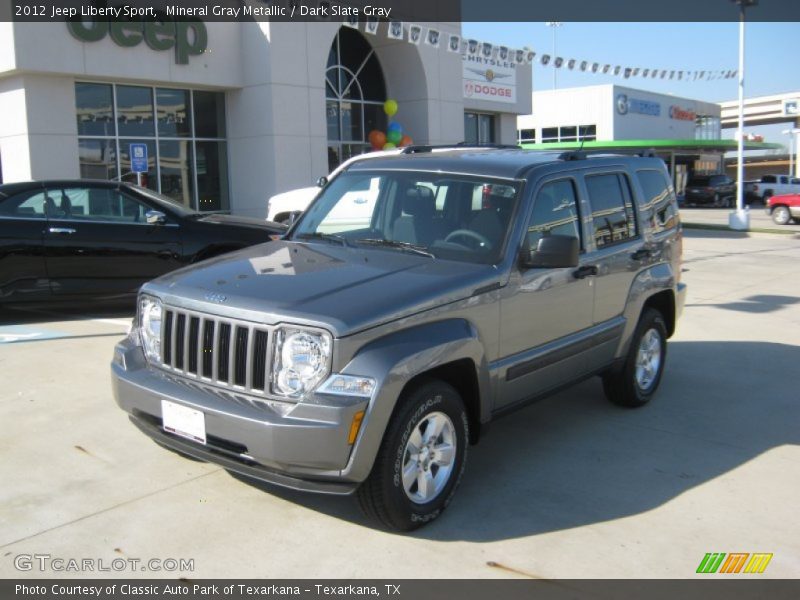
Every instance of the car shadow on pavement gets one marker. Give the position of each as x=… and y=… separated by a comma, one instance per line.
x=78, y=311
x=759, y=304
x=574, y=459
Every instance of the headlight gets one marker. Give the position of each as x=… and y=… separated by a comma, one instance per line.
x=301, y=360
x=150, y=327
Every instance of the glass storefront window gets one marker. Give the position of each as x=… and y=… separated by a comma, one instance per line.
x=351, y=121
x=173, y=113
x=135, y=111
x=175, y=168
x=355, y=92
x=478, y=128
x=94, y=108
x=209, y=114
x=212, y=176
x=182, y=129
x=97, y=158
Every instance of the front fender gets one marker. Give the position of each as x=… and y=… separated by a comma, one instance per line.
x=397, y=358
x=656, y=279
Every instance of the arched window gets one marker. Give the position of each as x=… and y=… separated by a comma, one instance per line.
x=355, y=92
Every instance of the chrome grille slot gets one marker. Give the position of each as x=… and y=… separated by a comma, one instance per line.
x=208, y=349
x=260, y=360
x=226, y=352
x=240, y=370
x=167, y=345
x=180, y=340
x=194, y=335
x=223, y=351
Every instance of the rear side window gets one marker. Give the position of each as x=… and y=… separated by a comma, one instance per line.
x=768, y=179
x=97, y=204
x=554, y=213
x=25, y=206
x=658, y=205
x=613, y=217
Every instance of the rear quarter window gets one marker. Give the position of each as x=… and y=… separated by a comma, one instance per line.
x=658, y=204
x=613, y=216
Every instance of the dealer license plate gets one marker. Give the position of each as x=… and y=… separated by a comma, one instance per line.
x=183, y=421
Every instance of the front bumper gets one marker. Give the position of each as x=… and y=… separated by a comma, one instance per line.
x=301, y=446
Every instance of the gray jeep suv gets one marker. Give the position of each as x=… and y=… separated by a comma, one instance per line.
x=365, y=351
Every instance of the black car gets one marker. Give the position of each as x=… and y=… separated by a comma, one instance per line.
x=63, y=239
x=715, y=190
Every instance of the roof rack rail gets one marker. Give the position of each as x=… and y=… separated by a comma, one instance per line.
x=573, y=155
x=414, y=149
x=649, y=153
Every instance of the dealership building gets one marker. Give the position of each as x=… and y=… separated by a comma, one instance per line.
x=684, y=132
x=231, y=113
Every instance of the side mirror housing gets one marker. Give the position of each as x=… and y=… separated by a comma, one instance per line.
x=552, y=252
x=155, y=217
x=293, y=216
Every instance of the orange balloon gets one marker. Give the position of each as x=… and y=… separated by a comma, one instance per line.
x=405, y=141
x=377, y=138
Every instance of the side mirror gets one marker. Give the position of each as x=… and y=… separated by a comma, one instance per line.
x=155, y=217
x=322, y=181
x=293, y=216
x=552, y=252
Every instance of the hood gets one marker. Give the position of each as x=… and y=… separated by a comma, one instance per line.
x=240, y=221
x=341, y=288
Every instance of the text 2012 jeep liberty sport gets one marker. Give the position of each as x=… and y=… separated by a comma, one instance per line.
x=365, y=355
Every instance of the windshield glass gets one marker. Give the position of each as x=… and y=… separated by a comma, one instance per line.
x=169, y=203
x=437, y=215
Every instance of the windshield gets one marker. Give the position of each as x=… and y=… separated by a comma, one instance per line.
x=168, y=203
x=436, y=215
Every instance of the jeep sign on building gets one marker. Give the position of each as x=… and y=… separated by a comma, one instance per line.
x=231, y=113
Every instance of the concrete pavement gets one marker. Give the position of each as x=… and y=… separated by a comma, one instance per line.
x=569, y=487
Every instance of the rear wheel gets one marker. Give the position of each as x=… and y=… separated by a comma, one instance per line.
x=637, y=381
x=781, y=215
x=421, y=459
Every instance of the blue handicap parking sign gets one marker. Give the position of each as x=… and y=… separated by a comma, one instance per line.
x=138, y=153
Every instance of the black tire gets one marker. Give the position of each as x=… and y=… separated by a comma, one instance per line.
x=622, y=386
x=765, y=198
x=781, y=215
x=383, y=496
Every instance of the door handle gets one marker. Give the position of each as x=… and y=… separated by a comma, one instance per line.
x=59, y=230
x=641, y=254
x=584, y=271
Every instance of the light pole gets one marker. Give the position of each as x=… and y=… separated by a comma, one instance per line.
x=554, y=25
x=791, y=133
x=741, y=218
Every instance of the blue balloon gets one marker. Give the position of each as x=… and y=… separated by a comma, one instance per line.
x=395, y=126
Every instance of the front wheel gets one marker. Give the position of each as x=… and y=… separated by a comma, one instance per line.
x=781, y=215
x=421, y=459
x=637, y=381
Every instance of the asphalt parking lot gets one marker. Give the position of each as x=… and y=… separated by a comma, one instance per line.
x=571, y=487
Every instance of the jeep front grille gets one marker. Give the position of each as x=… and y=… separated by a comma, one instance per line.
x=222, y=351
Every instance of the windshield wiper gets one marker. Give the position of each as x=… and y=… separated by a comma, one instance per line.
x=328, y=237
x=405, y=246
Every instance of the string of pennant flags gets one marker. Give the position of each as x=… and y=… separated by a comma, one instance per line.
x=417, y=34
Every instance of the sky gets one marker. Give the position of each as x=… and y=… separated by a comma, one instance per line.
x=771, y=56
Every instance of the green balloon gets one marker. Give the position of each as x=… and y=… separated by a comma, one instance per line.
x=389, y=146
x=394, y=136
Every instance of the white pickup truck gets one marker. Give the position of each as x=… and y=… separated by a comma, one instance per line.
x=772, y=185
x=281, y=206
